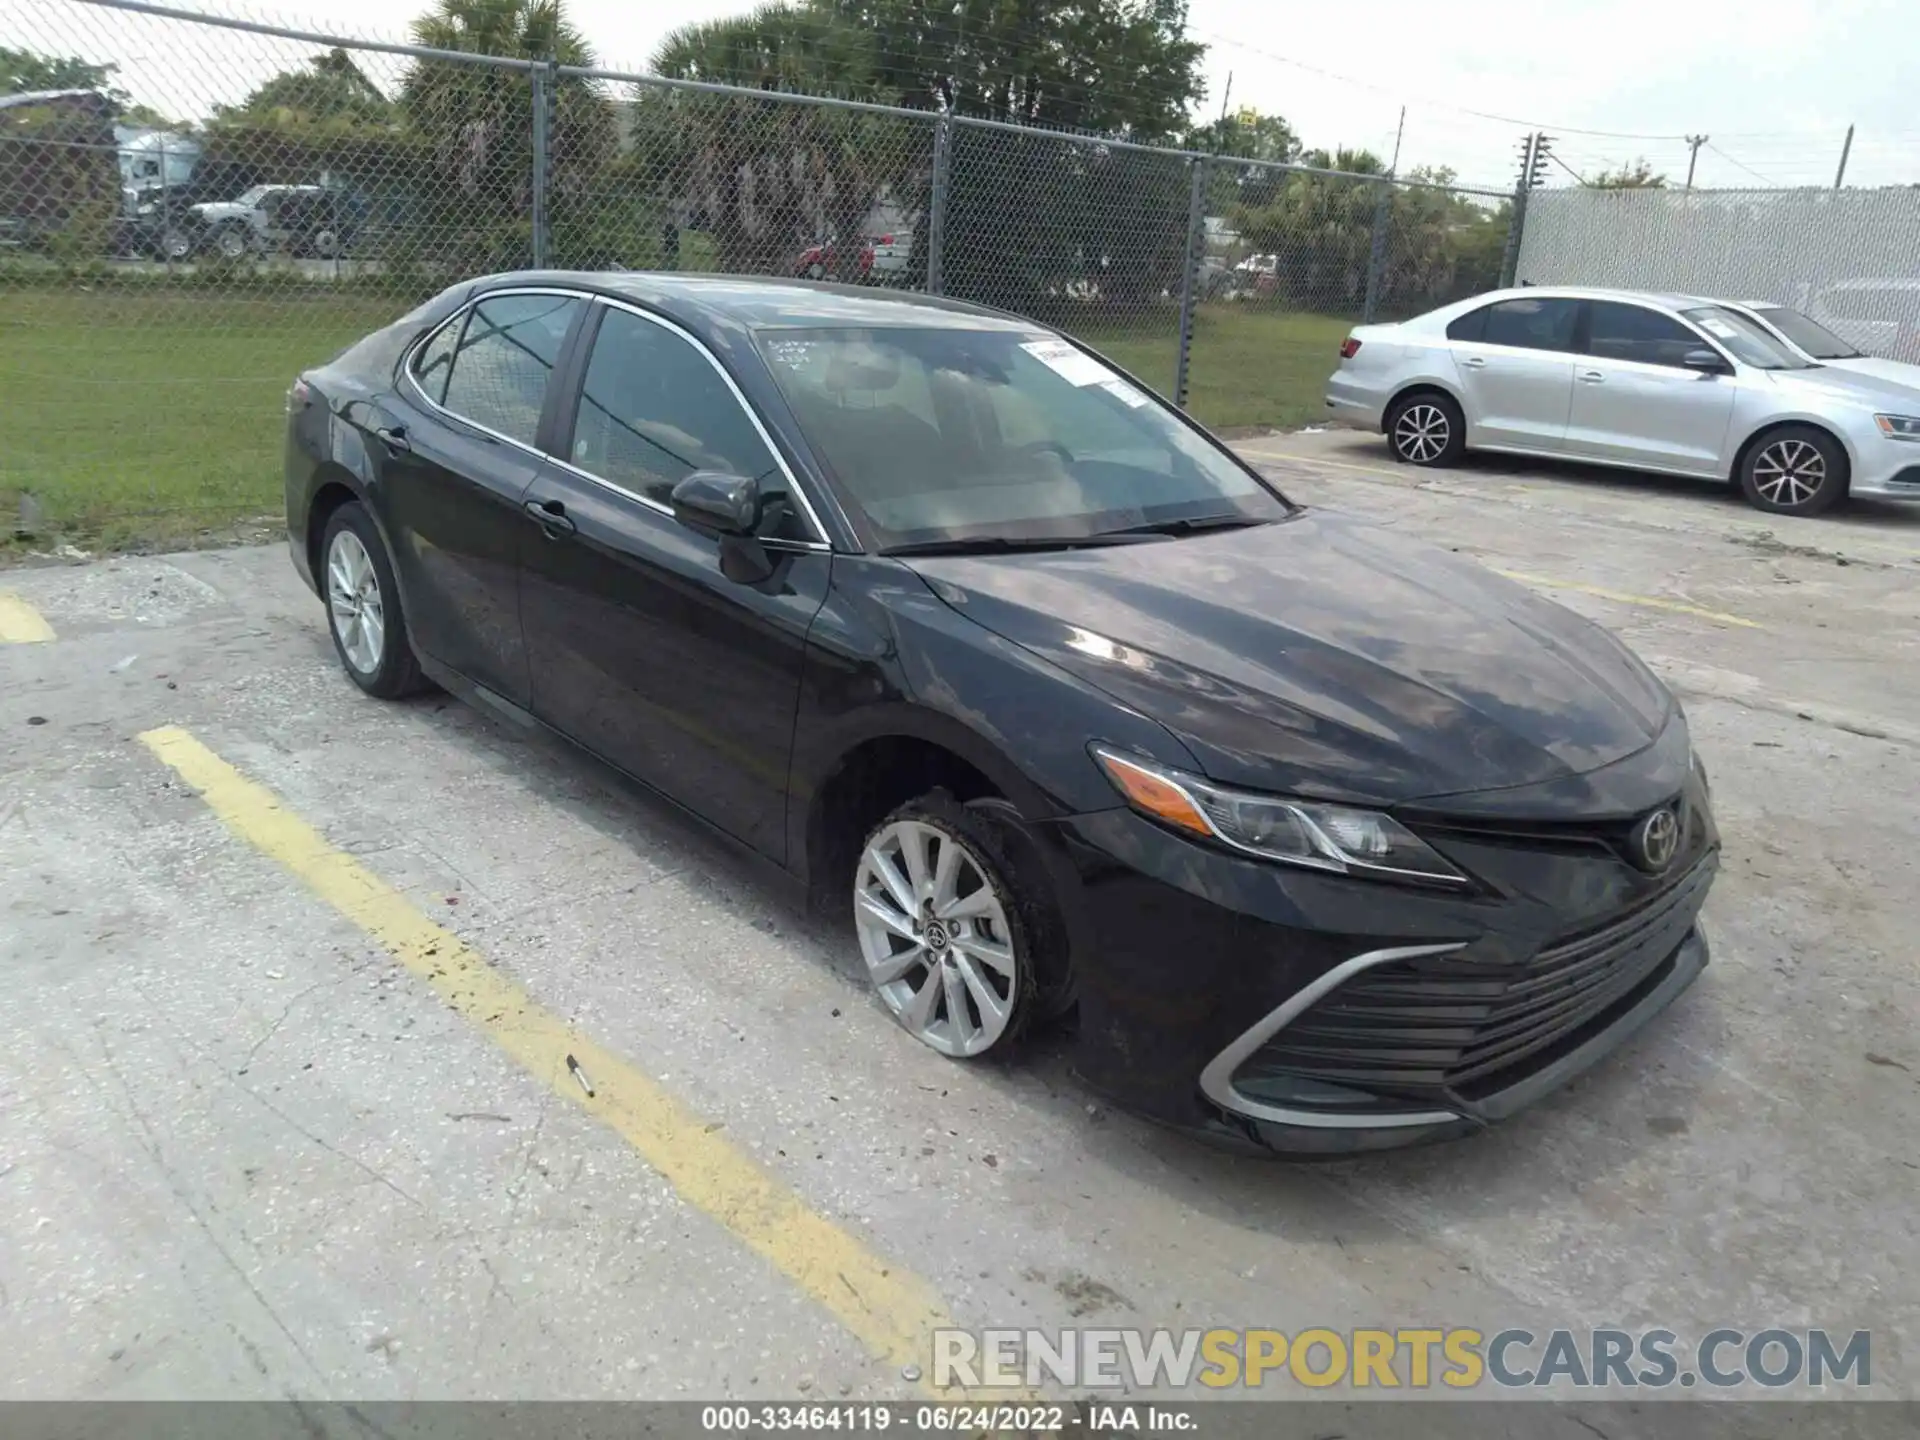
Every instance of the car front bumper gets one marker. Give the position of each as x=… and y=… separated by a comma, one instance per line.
x=1886, y=477
x=1191, y=961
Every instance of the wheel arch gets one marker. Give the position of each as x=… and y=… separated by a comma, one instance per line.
x=334, y=486
x=1774, y=424
x=1425, y=385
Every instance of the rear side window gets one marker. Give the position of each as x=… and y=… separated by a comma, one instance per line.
x=1471, y=326
x=1532, y=324
x=434, y=361
x=1628, y=332
x=504, y=359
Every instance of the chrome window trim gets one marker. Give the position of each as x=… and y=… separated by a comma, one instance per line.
x=419, y=393
x=794, y=487
x=413, y=353
x=1216, y=1081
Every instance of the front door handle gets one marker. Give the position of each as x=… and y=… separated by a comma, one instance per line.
x=1474, y=362
x=1592, y=377
x=394, y=437
x=552, y=518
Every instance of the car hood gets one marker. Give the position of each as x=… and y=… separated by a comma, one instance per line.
x=1863, y=387
x=1325, y=657
x=1892, y=372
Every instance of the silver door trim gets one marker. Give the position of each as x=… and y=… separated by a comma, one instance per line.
x=590, y=297
x=793, y=481
x=1216, y=1081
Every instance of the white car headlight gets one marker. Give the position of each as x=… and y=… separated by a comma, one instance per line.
x=1294, y=832
x=1899, y=427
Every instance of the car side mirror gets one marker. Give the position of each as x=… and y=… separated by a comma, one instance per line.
x=1705, y=361
x=717, y=503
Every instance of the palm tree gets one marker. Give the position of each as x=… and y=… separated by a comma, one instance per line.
x=479, y=119
x=769, y=178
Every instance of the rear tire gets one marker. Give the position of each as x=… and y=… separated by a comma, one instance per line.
x=1426, y=428
x=363, y=607
x=1795, y=470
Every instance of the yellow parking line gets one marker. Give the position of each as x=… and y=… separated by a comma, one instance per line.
x=888, y=1309
x=1651, y=602
x=20, y=623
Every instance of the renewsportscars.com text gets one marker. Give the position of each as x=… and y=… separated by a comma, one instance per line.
x=1456, y=1357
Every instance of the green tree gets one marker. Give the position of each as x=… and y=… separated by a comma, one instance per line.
x=478, y=122
x=329, y=90
x=769, y=178
x=1637, y=176
x=1246, y=135
x=1121, y=67
x=22, y=72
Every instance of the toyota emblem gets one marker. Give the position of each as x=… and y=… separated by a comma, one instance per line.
x=1656, y=840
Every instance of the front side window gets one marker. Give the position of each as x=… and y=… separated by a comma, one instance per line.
x=1746, y=340
x=1809, y=334
x=1530, y=324
x=1631, y=332
x=952, y=435
x=653, y=410
x=504, y=359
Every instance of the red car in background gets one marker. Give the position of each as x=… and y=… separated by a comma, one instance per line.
x=880, y=255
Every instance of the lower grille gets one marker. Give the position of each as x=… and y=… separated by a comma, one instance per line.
x=1443, y=1028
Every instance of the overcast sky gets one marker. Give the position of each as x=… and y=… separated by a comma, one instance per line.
x=1773, y=83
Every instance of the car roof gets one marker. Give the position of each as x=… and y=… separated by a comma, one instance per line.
x=1666, y=299
x=703, y=302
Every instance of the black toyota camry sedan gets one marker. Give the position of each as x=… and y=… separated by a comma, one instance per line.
x=1334, y=842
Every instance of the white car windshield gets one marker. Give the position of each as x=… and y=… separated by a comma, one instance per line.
x=1809, y=334
x=952, y=436
x=1746, y=340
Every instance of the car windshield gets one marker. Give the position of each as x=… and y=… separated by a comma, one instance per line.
x=1809, y=334
x=1746, y=339
x=950, y=436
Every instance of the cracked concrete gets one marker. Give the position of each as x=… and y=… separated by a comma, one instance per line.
x=243, y=1155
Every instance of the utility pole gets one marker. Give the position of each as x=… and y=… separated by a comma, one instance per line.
x=1394, y=168
x=1694, y=142
x=1225, y=96
x=1846, y=149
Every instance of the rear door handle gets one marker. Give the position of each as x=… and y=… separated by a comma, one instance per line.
x=1474, y=362
x=552, y=518
x=394, y=437
x=1592, y=377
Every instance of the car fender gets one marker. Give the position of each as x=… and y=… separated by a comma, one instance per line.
x=889, y=658
x=1746, y=427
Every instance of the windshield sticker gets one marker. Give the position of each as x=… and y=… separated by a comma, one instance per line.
x=1720, y=328
x=1069, y=364
x=1124, y=393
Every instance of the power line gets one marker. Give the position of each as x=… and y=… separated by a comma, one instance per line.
x=1765, y=180
x=1424, y=100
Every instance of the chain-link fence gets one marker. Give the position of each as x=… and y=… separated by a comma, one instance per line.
x=166, y=268
x=1848, y=258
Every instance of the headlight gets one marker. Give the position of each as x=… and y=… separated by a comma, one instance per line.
x=146, y=208
x=1899, y=427
x=1295, y=832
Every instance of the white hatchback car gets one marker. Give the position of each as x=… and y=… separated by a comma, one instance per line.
x=1650, y=382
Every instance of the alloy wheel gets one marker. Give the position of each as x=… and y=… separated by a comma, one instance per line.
x=233, y=244
x=933, y=931
x=1422, y=433
x=1789, y=473
x=354, y=603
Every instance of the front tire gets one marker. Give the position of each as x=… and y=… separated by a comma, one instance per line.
x=363, y=607
x=233, y=242
x=1795, y=470
x=1426, y=428
x=950, y=927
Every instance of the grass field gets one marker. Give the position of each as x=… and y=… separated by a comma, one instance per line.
x=147, y=420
